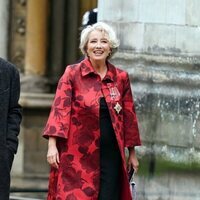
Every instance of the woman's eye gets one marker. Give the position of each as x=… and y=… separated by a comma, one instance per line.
x=104, y=41
x=92, y=41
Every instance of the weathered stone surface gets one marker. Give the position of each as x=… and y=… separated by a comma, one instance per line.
x=160, y=50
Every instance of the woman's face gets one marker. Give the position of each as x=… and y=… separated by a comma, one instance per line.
x=98, y=47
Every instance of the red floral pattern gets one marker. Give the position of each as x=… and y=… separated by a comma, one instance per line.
x=74, y=120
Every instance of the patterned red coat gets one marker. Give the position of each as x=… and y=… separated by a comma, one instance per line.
x=74, y=120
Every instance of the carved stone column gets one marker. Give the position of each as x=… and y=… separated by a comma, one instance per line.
x=16, y=50
x=36, y=37
x=36, y=47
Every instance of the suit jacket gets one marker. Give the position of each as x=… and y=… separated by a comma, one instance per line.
x=10, y=118
x=74, y=120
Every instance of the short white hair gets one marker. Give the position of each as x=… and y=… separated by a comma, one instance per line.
x=103, y=27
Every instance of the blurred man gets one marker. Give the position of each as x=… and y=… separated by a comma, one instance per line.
x=10, y=118
x=89, y=17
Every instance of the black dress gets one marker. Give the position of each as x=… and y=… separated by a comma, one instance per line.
x=110, y=158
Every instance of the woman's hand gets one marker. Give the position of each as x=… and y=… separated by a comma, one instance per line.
x=52, y=154
x=132, y=160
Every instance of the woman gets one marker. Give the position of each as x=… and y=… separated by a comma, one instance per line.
x=91, y=121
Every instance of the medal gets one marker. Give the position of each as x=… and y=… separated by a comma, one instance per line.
x=115, y=96
x=114, y=92
x=117, y=108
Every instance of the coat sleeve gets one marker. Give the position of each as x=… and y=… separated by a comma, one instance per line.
x=131, y=131
x=58, y=123
x=14, y=112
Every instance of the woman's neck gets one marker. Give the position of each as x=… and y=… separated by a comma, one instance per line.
x=100, y=68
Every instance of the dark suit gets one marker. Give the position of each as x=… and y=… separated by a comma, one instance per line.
x=10, y=118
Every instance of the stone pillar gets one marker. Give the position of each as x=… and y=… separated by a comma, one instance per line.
x=36, y=37
x=57, y=30
x=36, y=47
x=4, y=17
x=71, y=40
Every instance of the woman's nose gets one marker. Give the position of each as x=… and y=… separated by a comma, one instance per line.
x=98, y=45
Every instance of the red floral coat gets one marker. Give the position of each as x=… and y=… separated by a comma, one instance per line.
x=74, y=120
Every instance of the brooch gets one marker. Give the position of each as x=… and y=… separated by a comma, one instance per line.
x=117, y=108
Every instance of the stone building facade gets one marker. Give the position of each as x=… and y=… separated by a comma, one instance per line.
x=159, y=47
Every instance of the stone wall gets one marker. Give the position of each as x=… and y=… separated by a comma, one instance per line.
x=159, y=48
